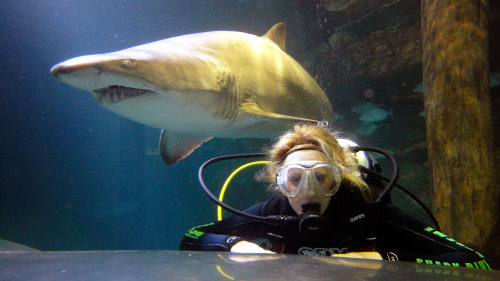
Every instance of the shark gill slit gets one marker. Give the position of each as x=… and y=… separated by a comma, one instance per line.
x=221, y=98
x=229, y=98
x=232, y=95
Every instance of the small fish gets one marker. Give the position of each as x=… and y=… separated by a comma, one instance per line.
x=419, y=88
x=364, y=106
x=375, y=115
x=366, y=128
x=494, y=79
x=339, y=117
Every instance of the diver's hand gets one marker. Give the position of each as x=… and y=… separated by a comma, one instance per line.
x=245, y=247
x=360, y=255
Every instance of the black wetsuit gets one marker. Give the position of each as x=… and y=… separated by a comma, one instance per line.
x=352, y=226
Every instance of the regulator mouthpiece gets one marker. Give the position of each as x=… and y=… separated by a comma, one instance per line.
x=312, y=224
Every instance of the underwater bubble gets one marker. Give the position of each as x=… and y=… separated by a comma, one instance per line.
x=368, y=93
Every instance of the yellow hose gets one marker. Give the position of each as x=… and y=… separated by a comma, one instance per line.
x=224, y=187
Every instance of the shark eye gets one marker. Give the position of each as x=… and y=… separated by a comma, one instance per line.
x=127, y=63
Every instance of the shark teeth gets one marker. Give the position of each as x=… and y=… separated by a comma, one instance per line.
x=115, y=93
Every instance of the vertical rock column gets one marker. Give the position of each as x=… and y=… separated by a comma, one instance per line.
x=458, y=118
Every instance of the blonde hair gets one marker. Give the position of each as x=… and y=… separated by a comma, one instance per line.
x=321, y=139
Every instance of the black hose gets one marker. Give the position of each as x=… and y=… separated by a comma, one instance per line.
x=395, y=169
x=277, y=219
x=419, y=202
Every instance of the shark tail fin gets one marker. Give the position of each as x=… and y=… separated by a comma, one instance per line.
x=174, y=147
x=277, y=34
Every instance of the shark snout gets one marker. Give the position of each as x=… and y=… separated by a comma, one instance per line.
x=93, y=72
x=84, y=64
x=59, y=70
x=81, y=72
x=79, y=76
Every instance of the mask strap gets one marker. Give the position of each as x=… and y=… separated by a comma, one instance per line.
x=306, y=146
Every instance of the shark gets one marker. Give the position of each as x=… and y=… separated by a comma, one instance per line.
x=194, y=87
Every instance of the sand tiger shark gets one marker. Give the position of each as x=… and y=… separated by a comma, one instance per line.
x=223, y=84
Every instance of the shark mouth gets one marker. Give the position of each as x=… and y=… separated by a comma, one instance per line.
x=115, y=93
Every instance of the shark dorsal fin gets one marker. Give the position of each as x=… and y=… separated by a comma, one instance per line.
x=277, y=34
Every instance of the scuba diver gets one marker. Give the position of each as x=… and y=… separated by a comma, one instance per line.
x=334, y=204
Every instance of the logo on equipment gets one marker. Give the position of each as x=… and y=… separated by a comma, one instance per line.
x=392, y=257
x=306, y=251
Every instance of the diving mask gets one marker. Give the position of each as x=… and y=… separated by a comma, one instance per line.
x=317, y=177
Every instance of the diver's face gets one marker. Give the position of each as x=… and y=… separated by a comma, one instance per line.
x=308, y=195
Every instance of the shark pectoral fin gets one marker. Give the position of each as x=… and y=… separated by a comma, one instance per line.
x=174, y=147
x=270, y=116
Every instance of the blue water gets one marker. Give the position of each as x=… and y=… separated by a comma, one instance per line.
x=73, y=175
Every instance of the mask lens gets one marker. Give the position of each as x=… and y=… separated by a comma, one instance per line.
x=319, y=176
x=328, y=178
x=289, y=179
x=295, y=177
